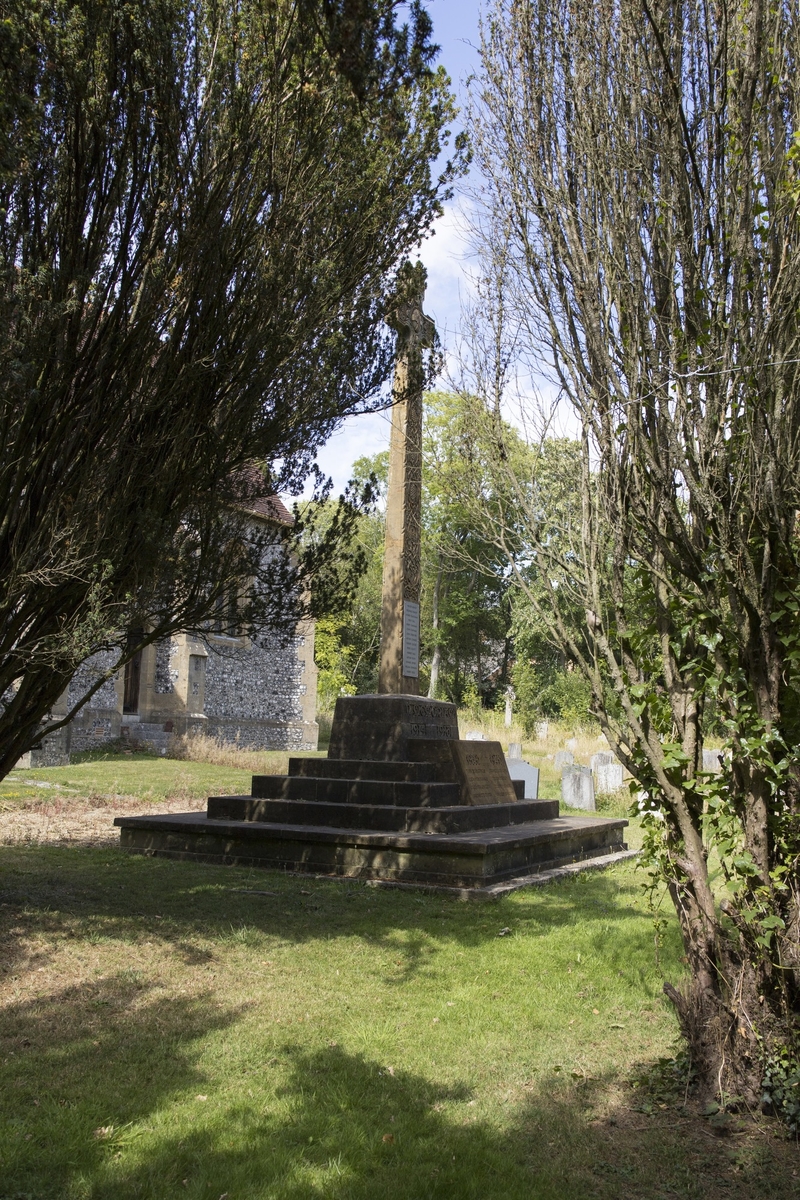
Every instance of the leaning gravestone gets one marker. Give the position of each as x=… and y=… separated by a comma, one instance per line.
x=609, y=777
x=518, y=768
x=563, y=758
x=577, y=787
x=712, y=761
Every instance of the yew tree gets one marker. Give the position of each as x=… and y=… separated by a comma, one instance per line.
x=641, y=239
x=203, y=208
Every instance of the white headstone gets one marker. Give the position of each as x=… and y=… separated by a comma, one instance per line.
x=518, y=768
x=712, y=761
x=474, y=735
x=514, y=750
x=601, y=759
x=577, y=787
x=542, y=729
x=572, y=744
x=563, y=758
x=609, y=777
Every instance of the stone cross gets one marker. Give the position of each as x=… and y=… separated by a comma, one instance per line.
x=399, y=668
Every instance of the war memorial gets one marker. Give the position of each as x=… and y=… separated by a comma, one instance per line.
x=400, y=798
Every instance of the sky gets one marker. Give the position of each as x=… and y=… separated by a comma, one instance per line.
x=455, y=30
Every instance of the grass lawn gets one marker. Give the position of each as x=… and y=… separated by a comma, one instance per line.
x=145, y=776
x=173, y=1030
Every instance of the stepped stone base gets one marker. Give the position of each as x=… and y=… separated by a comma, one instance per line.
x=423, y=810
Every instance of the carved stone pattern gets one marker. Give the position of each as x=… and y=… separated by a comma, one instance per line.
x=412, y=514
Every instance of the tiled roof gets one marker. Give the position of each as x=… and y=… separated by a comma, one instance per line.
x=271, y=507
x=259, y=500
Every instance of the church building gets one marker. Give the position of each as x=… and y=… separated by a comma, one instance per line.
x=260, y=695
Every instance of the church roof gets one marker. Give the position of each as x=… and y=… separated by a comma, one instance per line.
x=259, y=500
x=271, y=507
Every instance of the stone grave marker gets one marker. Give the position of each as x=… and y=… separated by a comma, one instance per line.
x=542, y=730
x=609, y=777
x=514, y=750
x=571, y=744
x=577, y=786
x=711, y=761
x=475, y=735
x=563, y=758
x=603, y=758
x=519, y=768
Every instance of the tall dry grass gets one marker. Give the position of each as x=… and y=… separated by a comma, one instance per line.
x=200, y=748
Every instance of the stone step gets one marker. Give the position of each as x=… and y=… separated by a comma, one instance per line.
x=389, y=772
x=464, y=860
x=149, y=733
x=356, y=791
x=352, y=768
x=380, y=817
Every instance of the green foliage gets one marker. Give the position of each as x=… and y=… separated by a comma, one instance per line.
x=203, y=211
x=781, y=1086
x=332, y=660
x=464, y=611
x=640, y=265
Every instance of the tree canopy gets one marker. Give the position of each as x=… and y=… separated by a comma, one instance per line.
x=203, y=207
x=641, y=250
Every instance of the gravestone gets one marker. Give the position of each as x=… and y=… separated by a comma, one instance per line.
x=510, y=698
x=577, y=787
x=514, y=750
x=712, y=761
x=542, y=729
x=603, y=758
x=609, y=777
x=563, y=758
x=475, y=735
x=572, y=744
x=518, y=768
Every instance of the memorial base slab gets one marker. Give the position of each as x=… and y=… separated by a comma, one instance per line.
x=418, y=808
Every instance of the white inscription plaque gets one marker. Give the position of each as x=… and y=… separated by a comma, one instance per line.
x=411, y=639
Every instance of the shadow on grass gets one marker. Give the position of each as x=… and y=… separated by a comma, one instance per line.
x=108, y=1051
x=300, y=1122
x=336, y=1126
x=108, y=893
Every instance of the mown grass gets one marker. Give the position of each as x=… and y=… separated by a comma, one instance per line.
x=178, y=1030
x=144, y=776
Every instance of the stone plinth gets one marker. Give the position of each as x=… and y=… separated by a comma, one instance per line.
x=398, y=800
x=380, y=727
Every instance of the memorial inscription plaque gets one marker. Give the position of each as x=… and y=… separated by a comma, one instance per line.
x=483, y=773
x=479, y=767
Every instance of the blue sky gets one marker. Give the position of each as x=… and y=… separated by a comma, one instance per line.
x=455, y=28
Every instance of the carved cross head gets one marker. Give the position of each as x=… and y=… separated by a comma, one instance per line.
x=415, y=330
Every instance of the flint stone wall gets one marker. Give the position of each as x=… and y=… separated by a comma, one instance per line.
x=254, y=694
